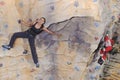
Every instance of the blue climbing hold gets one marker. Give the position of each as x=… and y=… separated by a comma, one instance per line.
x=76, y=4
x=97, y=67
x=21, y=4
x=77, y=68
x=1, y=65
x=3, y=49
x=52, y=7
x=51, y=78
x=92, y=77
x=96, y=24
x=94, y=0
x=5, y=25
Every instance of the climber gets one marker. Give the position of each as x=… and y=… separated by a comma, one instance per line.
x=35, y=28
x=105, y=49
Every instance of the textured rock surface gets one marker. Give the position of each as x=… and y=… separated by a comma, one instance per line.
x=72, y=49
x=81, y=24
x=58, y=56
x=111, y=67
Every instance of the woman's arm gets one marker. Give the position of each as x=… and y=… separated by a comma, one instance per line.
x=26, y=23
x=51, y=32
x=45, y=29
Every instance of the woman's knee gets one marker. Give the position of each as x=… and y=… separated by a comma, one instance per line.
x=15, y=34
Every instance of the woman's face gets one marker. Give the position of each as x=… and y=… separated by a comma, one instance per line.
x=41, y=20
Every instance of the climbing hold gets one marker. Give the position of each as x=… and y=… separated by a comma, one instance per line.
x=77, y=68
x=6, y=25
x=96, y=24
x=113, y=17
x=52, y=7
x=90, y=70
x=76, y=3
x=1, y=65
x=96, y=38
x=17, y=75
x=92, y=77
x=94, y=0
x=51, y=78
x=97, y=67
x=19, y=21
x=25, y=51
x=21, y=4
x=69, y=63
x=3, y=49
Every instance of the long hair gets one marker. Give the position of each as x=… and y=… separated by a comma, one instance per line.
x=44, y=20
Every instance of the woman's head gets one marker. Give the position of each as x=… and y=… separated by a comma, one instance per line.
x=41, y=20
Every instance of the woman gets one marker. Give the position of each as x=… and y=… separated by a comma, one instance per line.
x=35, y=28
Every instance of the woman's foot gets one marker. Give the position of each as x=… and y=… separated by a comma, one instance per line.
x=6, y=47
x=37, y=65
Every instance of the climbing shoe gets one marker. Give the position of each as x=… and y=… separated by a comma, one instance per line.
x=100, y=61
x=6, y=47
x=37, y=65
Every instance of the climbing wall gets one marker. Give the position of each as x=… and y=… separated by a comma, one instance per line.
x=81, y=24
x=115, y=8
x=109, y=70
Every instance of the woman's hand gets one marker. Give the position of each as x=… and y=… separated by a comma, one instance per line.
x=58, y=35
x=26, y=23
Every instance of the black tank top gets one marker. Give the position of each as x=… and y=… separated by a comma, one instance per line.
x=33, y=31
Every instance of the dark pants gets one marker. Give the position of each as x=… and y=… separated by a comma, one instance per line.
x=31, y=40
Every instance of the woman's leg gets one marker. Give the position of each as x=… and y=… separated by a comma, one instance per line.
x=33, y=50
x=17, y=35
